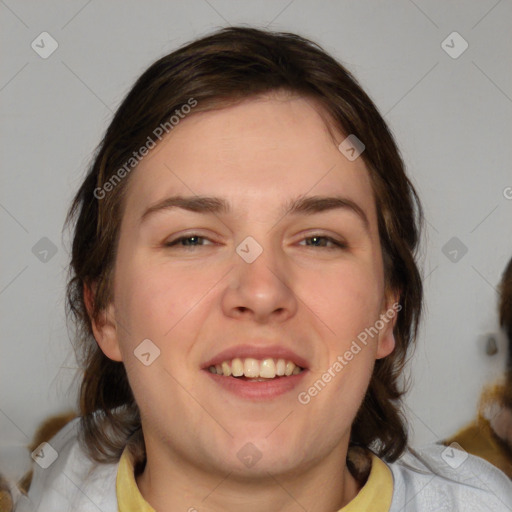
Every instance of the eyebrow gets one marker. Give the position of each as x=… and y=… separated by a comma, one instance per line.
x=299, y=206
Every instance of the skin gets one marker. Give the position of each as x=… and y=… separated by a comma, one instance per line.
x=194, y=301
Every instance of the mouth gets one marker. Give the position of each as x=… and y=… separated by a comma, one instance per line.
x=256, y=370
x=257, y=373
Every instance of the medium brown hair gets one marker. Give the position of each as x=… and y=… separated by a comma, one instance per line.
x=227, y=66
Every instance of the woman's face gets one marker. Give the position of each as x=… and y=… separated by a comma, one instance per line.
x=248, y=284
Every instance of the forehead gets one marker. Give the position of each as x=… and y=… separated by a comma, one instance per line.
x=263, y=149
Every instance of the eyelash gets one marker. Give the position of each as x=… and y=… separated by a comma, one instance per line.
x=336, y=244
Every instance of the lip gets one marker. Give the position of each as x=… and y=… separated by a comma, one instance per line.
x=257, y=351
x=258, y=391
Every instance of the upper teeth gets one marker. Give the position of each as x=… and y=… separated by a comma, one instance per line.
x=253, y=368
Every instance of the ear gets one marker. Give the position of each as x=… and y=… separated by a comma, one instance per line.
x=388, y=316
x=104, y=327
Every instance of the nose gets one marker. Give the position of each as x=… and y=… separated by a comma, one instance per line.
x=261, y=291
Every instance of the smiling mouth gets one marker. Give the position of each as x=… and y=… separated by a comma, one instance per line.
x=256, y=370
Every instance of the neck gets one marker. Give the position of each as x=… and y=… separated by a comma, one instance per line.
x=169, y=486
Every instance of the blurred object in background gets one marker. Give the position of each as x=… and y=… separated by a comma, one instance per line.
x=490, y=435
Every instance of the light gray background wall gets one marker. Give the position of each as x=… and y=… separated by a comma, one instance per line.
x=452, y=118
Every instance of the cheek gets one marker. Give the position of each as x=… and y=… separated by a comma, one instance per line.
x=150, y=299
x=347, y=299
x=153, y=302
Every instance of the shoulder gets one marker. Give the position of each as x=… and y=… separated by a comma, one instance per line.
x=440, y=478
x=66, y=479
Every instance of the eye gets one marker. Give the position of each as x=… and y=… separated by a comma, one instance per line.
x=192, y=240
x=195, y=240
x=323, y=241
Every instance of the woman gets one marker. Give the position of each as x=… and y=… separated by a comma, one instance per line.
x=244, y=281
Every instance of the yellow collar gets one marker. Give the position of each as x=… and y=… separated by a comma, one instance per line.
x=129, y=497
x=376, y=493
